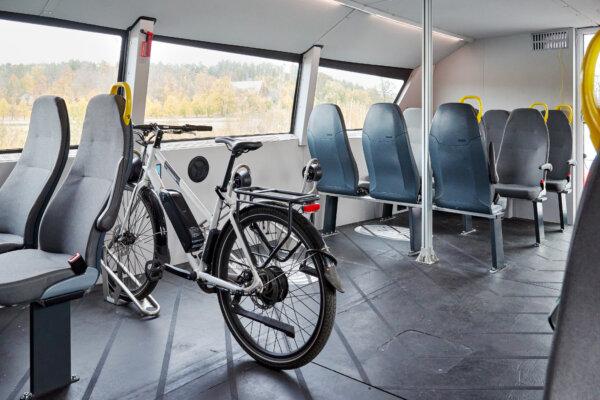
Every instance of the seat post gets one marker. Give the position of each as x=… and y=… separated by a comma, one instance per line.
x=497, y=244
x=414, y=225
x=562, y=209
x=329, y=220
x=538, y=216
x=50, y=347
x=228, y=172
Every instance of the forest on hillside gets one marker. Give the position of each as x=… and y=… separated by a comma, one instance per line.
x=234, y=97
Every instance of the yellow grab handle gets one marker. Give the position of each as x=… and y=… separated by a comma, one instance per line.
x=591, y=110
x=567, y=107
x=115, y=90
x=478, y=99
x=539, y=103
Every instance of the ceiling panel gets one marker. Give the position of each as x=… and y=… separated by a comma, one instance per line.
x=491, y=18
x=369, y=39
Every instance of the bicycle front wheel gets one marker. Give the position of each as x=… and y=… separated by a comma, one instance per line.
x=135, y=243
x=287, y=324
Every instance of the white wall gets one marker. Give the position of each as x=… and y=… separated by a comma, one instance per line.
x=507, y=74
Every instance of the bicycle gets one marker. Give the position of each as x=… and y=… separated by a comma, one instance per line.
x=275, y=279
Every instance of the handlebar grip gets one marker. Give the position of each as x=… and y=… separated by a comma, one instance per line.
x=197, y=128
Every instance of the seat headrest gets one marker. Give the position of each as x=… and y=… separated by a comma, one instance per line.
x=455, y=124
x=495, y=118
x=526, y=118
x=326, y=119
x=558, y=121
x=384, y=119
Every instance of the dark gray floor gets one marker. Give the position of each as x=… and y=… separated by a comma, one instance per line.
x=404, y=330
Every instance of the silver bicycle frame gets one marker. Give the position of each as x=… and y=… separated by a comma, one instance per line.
x=154, y=182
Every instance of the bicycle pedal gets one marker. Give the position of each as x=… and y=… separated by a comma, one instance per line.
x=154, y=270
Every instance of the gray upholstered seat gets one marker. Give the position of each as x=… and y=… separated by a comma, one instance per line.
x=84, y=207
x=523, y=152
x=414, y=124
x=574, y=365
x=494, y=122
x=392, y=170
x=328, y=142
x=561, y=148
x=28, y=188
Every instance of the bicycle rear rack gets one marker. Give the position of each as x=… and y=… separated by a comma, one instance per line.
x=283, y=196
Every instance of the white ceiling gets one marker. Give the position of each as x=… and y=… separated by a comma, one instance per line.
x=346, y=34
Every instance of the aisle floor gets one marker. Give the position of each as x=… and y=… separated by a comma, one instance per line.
x=405, y=330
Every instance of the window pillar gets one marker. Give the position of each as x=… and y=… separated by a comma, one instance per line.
x=306, y=92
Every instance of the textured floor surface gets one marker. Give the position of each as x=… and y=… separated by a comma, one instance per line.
x=403, y=330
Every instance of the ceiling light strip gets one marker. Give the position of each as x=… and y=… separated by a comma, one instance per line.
x=399, y=20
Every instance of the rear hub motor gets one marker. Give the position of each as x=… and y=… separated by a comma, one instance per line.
x=275, y=287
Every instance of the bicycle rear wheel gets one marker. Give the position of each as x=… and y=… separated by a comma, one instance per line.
x=135, y=243
x=297, y=302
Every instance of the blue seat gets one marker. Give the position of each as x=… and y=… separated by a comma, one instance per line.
x=459, y=161
x=463, y=172
x=328, y=142
x=393, y=173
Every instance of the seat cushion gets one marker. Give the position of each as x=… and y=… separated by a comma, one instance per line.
x=10, y=242
x=557, y=185
x=518, y=191
x=26, y=274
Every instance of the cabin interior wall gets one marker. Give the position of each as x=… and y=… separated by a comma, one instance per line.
x=508, y=74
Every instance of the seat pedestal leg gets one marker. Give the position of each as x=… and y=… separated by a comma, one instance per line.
x=562, y=209
x=329, y=221
x=414, y=225
x=388, y=210
x=467, y=225
x=498, y=261
x=538, y=216
x=50, y=348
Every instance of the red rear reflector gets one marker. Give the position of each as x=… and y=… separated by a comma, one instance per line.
x=311, y=208
x=542, y=183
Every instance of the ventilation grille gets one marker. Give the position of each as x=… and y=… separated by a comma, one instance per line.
x=550, y=40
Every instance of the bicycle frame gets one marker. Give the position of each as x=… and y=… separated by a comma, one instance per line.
x=151, y=179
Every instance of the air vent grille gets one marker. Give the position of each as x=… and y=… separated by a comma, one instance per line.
x=550, y=40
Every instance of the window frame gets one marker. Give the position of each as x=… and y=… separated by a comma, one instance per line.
x=247, y=51
x=63, y=23
x=382, y=71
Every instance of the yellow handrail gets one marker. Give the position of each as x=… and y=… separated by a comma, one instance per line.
x=478, y=99
x=539, y=103
x=569, y=108
x=115, y=90
x=591, y=110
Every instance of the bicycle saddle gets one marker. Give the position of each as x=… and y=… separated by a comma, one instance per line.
x=238, y=146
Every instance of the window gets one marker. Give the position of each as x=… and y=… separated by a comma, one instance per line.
x=235, y=94
x=39, y=60
x=354, y=92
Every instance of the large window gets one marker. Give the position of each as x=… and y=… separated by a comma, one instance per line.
x=38, y=60
x=354, y=92
x=235, y=94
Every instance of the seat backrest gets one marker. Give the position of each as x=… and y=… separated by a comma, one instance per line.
x=414, y=125
x=524, y=148
x=574, y=365
x=28, y=188
x=494, y=122
x=393, y=174
x=328, y=142
x=561, y=144
x=459, y=160
x=87, y=203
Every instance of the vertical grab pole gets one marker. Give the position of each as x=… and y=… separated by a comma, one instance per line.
x=427, y=254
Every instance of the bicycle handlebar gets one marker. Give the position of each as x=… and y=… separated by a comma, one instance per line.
x=175, y=129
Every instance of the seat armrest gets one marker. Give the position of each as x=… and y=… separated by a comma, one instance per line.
x=494, y=178
x=546, y=167
x=109, y=214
